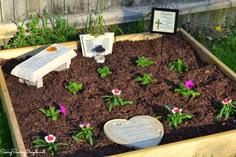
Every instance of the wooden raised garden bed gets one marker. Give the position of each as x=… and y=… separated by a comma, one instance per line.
x=217, y=144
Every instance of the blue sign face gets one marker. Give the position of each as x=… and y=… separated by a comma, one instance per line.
x=164, y=21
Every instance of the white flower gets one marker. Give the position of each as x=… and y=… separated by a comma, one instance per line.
x=82, y=125
x=226, y=101
x=176, y=110
x=116, y=91
x=50, y=138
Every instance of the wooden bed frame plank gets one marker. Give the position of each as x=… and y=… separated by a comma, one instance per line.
x=8, y=109
x=219, y=145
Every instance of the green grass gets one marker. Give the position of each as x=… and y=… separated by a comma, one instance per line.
x=5, y=135
x=225, y=50
x=222, y=43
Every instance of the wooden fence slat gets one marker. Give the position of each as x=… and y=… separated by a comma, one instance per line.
x=93, y=5
x=48, y=7
x=71, y=6
x=20, y=9
x=85, y=5
x=43, y=6
x=58, y=7
x=0, y=11
x=115, y=4
x=7, y=10
x=107, y=4
x=32, y=7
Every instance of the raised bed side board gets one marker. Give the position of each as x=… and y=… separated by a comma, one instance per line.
x=219, y=145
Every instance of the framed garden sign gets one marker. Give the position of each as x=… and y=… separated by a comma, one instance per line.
x=164, y=20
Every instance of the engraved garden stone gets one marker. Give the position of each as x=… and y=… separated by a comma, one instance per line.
x=138, y=132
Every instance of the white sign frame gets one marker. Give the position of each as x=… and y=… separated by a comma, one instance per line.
x=164, y=21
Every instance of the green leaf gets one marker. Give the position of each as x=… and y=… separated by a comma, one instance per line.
x=43, y=111
x=39, y=146
x=168, y=108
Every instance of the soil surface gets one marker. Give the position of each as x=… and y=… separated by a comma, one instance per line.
x=88, y=105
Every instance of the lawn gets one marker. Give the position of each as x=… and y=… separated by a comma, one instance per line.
x=5, y=136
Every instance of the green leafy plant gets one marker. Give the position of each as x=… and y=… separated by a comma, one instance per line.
x=104, y=71
x=144, y=62
x=228, y=108
x=94, y=24
x=220, y=40
x=74, y=87
x=145, y=80
x=40, y=30
x=179, y=66
x=53, y=113
x=85, y=133
x=185, y=89
x=116, y=29
x=115, y=100
x=176, y=116
x=19, y=39
x=49, y=142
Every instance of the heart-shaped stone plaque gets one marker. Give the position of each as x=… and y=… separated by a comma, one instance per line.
x=138, y=132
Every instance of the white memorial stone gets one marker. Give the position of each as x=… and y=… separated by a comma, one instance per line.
x=137, y=132
x=89, y=43
x=54, y=58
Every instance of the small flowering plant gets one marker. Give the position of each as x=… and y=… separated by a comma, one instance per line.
x=53, y=113
x=85, y=133
x=185, y=89
x=176, y=116
x=49, y=142
x=228, y=108
x=179, y=66
x=115, y=100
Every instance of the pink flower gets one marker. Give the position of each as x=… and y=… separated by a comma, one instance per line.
x=63, y=109
x=226, y=101
x=189, y=84
x=176, y=110
x=82, y=125
x=116, y=91
x=50, y=138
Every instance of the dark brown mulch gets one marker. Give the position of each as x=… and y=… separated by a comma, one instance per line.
x=88, y=106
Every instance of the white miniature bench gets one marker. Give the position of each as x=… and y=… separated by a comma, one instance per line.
x=54, y=58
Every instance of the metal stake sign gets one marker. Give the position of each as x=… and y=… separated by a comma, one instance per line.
x=164, y=21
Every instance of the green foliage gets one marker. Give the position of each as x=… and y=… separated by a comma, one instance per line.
x=52, y=112
x=144, y=62
x=221, y=42
x=116, y=29
x=115, y=101
x=94, y=24
x=74, y=87
x=145, y=80
x=42, y=30
x=134, y=27
x=51, y=147
x=227, y=110
x=104, y=71
x=5, y=133
x=179, y=66
x=175, y=119
x=86, y=133
x=186, y=92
